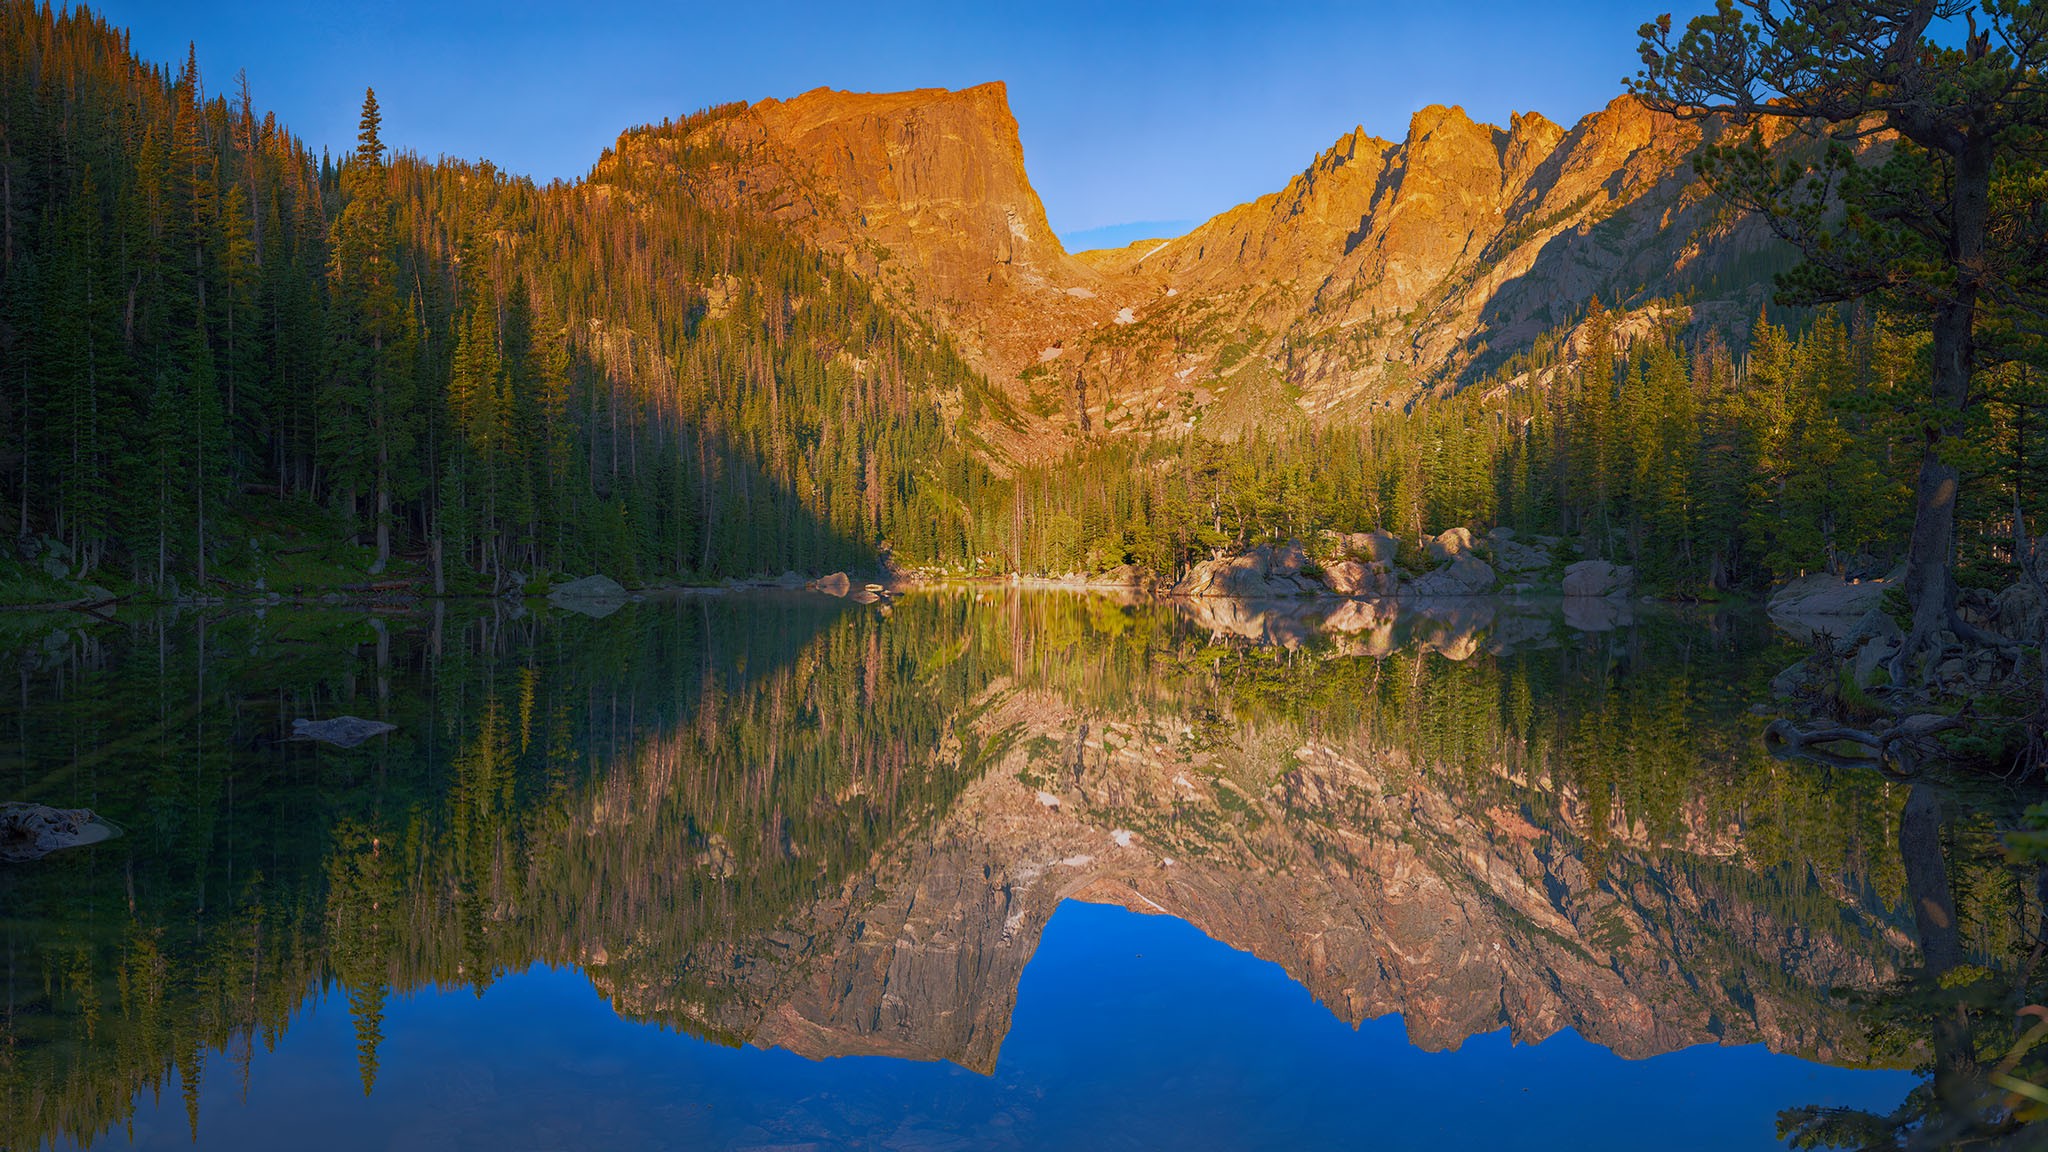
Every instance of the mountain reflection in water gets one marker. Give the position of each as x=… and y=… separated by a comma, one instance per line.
x=784, y=822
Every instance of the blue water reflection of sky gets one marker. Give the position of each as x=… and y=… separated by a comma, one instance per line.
x=1131, y=1032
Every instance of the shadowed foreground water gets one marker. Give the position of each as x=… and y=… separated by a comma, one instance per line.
x=1017, y=871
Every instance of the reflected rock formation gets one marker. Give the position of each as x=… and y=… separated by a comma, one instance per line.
x=793, y=822
x=1466, y=889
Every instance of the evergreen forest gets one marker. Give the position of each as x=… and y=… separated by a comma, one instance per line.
x=209, y=334
x=226, y=360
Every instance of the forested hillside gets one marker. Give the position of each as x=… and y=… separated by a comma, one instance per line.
x=208, y=332
x=1709, y=469
x=224, y=358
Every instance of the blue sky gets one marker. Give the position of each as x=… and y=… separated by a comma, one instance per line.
x=1129, y=111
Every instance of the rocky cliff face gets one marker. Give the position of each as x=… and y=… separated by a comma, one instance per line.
x=1383, y=268
x=922, y=192
x=1380, y=883
x=1387, y=267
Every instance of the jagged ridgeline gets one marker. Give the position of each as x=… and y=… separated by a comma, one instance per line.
x=213, y=341
x=707, y=805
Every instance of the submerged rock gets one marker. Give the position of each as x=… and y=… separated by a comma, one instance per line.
x=32, y=831
x=342, y=731
x=1597, y=613
x=598, y=596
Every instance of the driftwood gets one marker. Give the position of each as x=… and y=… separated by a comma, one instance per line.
x=98, y=609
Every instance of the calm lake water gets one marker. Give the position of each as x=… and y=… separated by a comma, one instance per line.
x=972, y=870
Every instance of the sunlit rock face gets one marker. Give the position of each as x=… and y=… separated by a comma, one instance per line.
x=924, y=193
x=1383, y=268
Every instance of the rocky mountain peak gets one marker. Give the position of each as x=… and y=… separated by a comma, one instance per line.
x=938, y=172
x=1379, y=269
x=1531, y=138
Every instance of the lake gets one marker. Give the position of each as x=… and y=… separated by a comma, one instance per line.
x=968, y=869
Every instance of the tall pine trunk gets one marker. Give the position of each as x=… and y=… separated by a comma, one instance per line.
x=1930, y=583
x=383, y=504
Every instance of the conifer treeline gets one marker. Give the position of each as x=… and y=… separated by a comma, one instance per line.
x=1708, y=469
x=206, y=330
x=199, y=313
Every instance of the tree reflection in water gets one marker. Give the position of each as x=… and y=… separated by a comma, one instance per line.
x=784, y=821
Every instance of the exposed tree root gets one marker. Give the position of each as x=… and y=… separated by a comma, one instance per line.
x=1895, y=749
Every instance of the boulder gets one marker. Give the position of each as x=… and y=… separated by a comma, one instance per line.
x=837, y=584
x=342, y=731
x=1824, y=594
x=32, y=831
x=1792, y=682
x=2018, y=614
x=1870, y=658
x=1371, y=547
x=1124, y=576
x=1467, y=575
x=1262, y=573
x=1353, y=578
x=592, y=596
x=1448, y=544
x=1288, y=560
x=1598, y=578
x=1510, y=555
x=1875, y=625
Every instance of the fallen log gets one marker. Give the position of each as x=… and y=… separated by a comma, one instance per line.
x=381, y=586
x=1784, y=733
